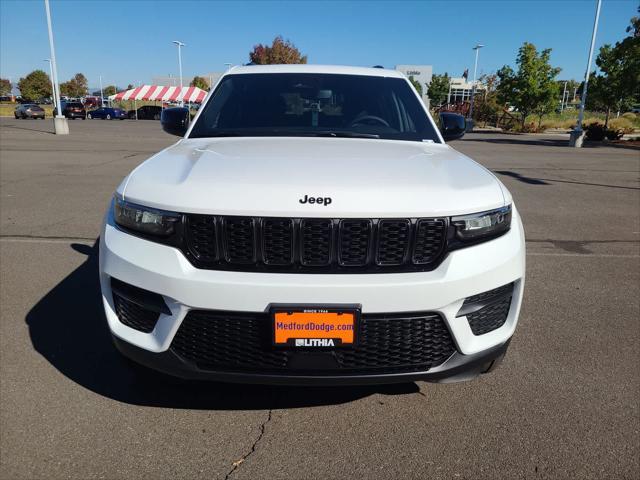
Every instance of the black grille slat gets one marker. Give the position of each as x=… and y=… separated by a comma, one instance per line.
x=429, y=240
x=240, y=240
x=277, y=241
x=393, y=242
x=241, y=342
x=313, y=245
x=315, y=242
x=201, y=238
x=354, y=240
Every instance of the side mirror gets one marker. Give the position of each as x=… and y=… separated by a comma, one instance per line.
x=452, y=125
x=175, y=120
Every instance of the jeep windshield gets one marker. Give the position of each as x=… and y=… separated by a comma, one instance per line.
x=310, y=104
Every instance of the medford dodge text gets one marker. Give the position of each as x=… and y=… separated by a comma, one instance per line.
x=312, y=226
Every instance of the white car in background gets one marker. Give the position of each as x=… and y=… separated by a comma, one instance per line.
x=312, y=226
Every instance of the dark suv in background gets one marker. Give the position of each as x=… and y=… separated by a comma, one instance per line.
x=72, y=110
x=146, y=112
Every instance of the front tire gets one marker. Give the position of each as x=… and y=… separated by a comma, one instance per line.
x=108, y=117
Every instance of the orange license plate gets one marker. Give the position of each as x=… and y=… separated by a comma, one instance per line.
x=315, y=327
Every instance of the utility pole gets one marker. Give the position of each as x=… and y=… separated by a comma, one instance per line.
x=473, y=88
x=564, y=92
x=60, y=124
x=53, y=87
x=577, y=135
x=101, y=94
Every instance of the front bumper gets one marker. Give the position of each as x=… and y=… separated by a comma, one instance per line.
x=164, y=270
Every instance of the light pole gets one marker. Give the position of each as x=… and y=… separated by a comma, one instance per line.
x=577, y=135
x=473, y=88
x=101, y=94
x=180, y=45
x=60, y=124
x=564, y=93
x=53, y=87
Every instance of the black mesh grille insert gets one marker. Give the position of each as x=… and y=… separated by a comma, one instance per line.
x=489, y=310
x=201, y=235
x=355, y=236
x=240, y=241
x=133, y=315
x=314, y=245
x=393, y=242
x=241, y=342
x=490, y=317
x=430, y=240
x=277, y=241
x=316, y=242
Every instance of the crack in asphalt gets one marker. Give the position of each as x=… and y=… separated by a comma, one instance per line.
x=237, y=463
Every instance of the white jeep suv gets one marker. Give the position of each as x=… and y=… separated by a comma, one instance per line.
x=312, y=226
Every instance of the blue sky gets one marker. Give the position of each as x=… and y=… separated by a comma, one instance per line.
x=130, y=42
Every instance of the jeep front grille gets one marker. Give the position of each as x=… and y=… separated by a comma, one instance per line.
x=314, y=245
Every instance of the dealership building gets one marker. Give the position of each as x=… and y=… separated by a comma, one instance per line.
x=422, y=74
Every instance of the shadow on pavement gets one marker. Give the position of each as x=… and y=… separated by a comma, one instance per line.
x=39, y=130
x=68, y=328
x=550, y=181
x=516, y=139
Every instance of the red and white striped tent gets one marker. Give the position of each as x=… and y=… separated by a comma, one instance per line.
x=162, y=94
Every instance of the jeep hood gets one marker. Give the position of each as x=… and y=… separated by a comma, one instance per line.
x=266, y=176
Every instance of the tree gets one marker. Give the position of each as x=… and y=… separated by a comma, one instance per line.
x=439, y=89
x=5, y=87
x=416, y=84
x=109, y=90
x=76, y=87
x=130, y=86
x=280, y=52
x=532, y=89
x=199, y=82
x=35, y=85
x=486, y=106
x=617, y=87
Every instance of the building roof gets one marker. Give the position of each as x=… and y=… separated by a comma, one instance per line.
x=303, y=68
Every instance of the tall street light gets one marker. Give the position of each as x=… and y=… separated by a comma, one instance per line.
x=53, y=87
x=577, y=135
x=59, y=121
x=473, y=87
x=180, y=45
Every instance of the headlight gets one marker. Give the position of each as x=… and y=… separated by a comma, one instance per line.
x=483, y=225
x=145, y=220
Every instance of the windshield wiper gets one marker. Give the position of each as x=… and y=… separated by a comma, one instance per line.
x=343, y=134
x=284, y=133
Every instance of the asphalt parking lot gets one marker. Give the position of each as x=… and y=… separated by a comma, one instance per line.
x=564, y=404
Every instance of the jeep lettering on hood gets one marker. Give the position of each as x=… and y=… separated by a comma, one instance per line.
x=262, y=175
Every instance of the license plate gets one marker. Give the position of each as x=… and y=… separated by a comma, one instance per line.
x=315, y=327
